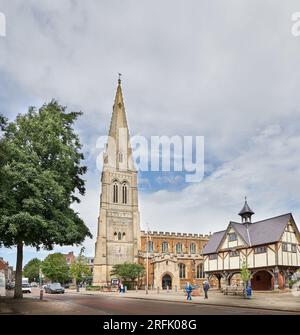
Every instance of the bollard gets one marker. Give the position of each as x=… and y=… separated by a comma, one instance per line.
x=136, y=289
x=175, y=288
x=157, y=289
x=167, y=289
x=41, y=294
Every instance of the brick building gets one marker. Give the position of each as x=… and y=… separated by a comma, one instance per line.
x=173, y=258
x=70, y=257
x=7, y=270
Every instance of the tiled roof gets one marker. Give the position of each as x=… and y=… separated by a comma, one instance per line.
x=260, y=232
x=213, y=242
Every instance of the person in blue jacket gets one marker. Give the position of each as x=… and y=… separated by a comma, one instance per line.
x=188, y=289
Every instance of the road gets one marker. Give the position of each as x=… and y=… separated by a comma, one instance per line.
x=72, y=303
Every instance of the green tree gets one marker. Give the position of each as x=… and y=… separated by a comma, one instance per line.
x=3, y=122
x=245, y=275
x=55, y=268
x=79, y=270
x=128, y=272
x=32, y=270
x=40, y=177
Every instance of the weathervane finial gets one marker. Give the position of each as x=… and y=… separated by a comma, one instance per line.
x=119, y=79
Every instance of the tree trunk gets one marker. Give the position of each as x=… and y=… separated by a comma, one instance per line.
x=18, y=280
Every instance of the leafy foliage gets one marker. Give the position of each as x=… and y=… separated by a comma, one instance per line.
x=55, y=268
x=79, y=270
x=32, y=270
x=40, y=177
x=128, y=272
x=245, y=273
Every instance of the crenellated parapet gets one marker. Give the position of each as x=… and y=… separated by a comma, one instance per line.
x=173, y=234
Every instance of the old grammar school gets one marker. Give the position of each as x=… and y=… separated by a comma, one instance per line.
x=271, y=247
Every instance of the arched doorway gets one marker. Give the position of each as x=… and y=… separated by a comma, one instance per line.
x=166, y=282
x=261, y=280
x=235, y=279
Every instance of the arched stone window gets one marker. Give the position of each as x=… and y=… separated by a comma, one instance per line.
x=115, y=192
x=192, y=248
x=164, y=247
x=119, y=236
x=200, y=271
x=150, y=246
x=181, y=270
x=179, y=248
x=124, y=193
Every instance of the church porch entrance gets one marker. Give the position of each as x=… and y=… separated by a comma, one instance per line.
x=166, y=282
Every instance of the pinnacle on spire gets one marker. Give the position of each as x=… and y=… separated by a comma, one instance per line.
x=119, y=79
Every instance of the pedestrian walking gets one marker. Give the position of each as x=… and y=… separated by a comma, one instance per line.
x=205, y=289
x=188, y=289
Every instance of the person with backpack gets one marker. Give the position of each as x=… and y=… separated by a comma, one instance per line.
x=205, y=289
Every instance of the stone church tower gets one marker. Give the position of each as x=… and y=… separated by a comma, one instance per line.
x=118, y=237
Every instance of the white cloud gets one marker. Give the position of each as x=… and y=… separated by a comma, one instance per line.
x=267, y=171
x=227, y=71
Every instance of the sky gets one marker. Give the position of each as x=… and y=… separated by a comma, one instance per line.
x=224, y=70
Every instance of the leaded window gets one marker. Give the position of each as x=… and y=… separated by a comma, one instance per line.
x=192, y=248
x=181, y=270
x=115, y=192
x=164, y=247
x=124, y=193
x=200, y=271
x=178, y=248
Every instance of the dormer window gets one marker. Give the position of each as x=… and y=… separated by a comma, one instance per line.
x=232, y=237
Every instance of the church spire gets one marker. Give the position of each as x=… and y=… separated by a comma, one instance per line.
x=118, y=119
x=118, y=148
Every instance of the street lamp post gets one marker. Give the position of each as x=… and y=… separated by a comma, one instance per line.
x=40, y=276
x=147, y=260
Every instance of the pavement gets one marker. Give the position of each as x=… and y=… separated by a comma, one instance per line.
x=268, y=300
x=134, y=303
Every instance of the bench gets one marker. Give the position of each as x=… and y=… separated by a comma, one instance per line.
x=233, y=290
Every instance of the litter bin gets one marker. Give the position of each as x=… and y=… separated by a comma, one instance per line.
x=249, y=292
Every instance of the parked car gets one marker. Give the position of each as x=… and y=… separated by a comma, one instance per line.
x=67, y=285
x=26, y=288
x=10, y=285
x=34, y=284
x=54, y=288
